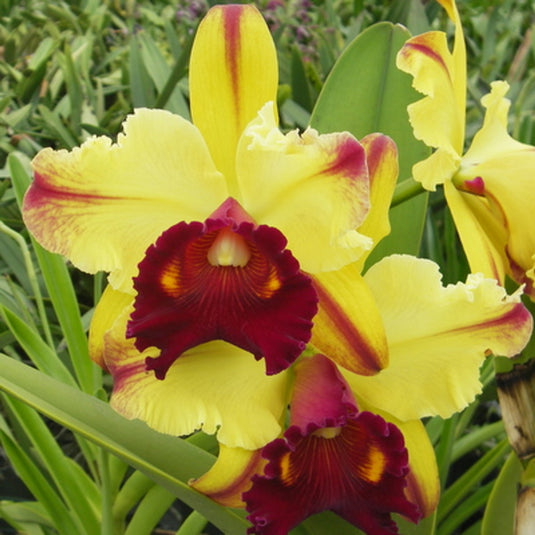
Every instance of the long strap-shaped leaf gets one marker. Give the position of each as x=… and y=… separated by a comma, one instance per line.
x=169, y=461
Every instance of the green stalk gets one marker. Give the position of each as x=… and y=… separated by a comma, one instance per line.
x=405, y=190
x=193, y=525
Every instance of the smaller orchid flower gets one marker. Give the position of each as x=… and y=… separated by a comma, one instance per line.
x=490, y=189
x=332, y=457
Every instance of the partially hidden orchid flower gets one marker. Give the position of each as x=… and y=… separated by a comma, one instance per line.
x=235, y=255
x=490, y=188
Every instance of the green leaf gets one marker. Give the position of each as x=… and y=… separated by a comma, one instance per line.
x=366, y=93
x=43, y=356
x=24, y=514
x=471, y=479
x=32, y=477
x=500, y=511
x=141, y=86
x=169, y=461
x=424, y=527
x=160, y=72
x=74, y=486
x=300, y=87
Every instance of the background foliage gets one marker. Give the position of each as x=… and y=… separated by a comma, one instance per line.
x=71, y=69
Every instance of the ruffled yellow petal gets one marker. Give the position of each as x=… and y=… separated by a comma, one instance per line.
x=230, y=476
x=348, y=328
x=102, y=204
x=441, y=76
x=313, y=188
x=233, y=73
x=437, y=337
x=382, y=160
x=505, y=169
x=215, y=387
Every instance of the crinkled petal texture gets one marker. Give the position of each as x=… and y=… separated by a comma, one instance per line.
x=224, y=279
x=102, y=204
x=441, y=76
x=502, y=168
x=215, y=387
x=437, y=336
x=332, y=457
x=313, y=188
x=233, y=73
x=423, y=484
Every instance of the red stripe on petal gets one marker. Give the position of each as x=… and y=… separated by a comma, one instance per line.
x=360, y=355
x=426, y=51
x=358, y=473
x=231, y=22
x=259, y=301
x=350, y=160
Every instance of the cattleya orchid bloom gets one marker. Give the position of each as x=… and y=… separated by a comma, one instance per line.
x=490, y=188
x=228, y=242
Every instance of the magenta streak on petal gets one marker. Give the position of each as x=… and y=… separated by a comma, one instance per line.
x=375, y=152
x=350, y=160
x=358, y=347
x=430, y=53
x=516, y=319
x=232, y=15
x=41, y=192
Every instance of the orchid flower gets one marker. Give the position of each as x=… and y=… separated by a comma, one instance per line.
x=228, y=242
x=490, y=188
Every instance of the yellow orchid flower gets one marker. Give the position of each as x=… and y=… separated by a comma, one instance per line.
x=228, y=242
x=490, y=189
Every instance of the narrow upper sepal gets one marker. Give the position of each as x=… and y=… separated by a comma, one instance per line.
x=233, y=73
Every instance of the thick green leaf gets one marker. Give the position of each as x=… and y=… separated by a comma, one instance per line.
x=169, y=461
x=500, y=511
x=366, y=93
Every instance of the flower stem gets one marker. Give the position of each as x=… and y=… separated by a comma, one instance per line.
x=405, y=190
x=193, y=525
